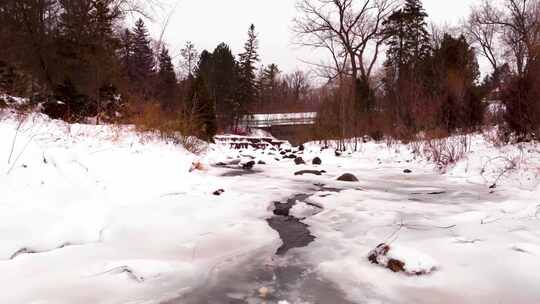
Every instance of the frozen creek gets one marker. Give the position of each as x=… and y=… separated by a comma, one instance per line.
x=96, y=214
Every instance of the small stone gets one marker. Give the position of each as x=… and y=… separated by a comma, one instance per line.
x=314, y=172
x=407, y=171
x=219, y=192
x=338, y=153
x=299, y=161
x=261, y=162
x=317, y=161
x=248, y=166
x=347, y=177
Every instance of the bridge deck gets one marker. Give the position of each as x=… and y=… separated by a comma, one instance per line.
x=282, y=119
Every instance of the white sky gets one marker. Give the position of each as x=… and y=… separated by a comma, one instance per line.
x=209, y=22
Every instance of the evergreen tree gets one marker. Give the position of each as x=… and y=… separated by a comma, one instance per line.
x=143, y=59
x=166, y=80
x=454, y=82
x=409, y=40
x=88, y=49
x=418, y=40
x=202, y=108
x=126, y=55
x=225, y=84
x=205, y=69
x=405, y=68
x=103, y=56
x=269, y=83
x=246, y=73
x=270, y=75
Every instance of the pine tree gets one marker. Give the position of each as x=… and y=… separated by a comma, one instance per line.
x=205, y=68
x=269, y=84
x=405, y=67
x=409, y=40
x=166, y=80
x=88, y=47
x=103, y=56
x=202, y=108
x=126, y=55
x=143, y=59
x=456, y=72
x=270, y=76
x=246, y=72
x=225, y=84
x=418, y=40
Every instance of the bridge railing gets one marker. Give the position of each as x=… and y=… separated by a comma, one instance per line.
x=285, y=119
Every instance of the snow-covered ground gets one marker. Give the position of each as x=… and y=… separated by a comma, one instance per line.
x=100, y=214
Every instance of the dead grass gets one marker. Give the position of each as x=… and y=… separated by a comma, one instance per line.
x=441, y=148
x=176, y=126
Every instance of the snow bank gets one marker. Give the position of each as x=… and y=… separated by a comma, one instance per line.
x=101, y=214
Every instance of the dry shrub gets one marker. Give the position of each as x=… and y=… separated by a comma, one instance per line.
x=498, y=137
x=494, y=114
x=521, y=98
x=440, y=148
x=176, y=126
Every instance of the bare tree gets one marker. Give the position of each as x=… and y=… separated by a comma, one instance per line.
x=512, y=24
x=351, y=33
x=483, y=35
x=189, y=57
x=298, y=83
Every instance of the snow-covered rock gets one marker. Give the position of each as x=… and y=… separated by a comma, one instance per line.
x=402, y=259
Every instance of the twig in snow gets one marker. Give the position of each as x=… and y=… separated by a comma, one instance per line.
x=488, y=221
x=21, y=153
x=14, y=140
x=511, y=165
x=428, y=227
x=21, y=251
x=122, y=269
x=395, y=233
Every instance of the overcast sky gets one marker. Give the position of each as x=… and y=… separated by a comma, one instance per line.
x=208, y=22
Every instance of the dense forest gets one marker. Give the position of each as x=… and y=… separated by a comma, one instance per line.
x=391, y=73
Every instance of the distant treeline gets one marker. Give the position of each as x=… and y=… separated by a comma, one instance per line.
x=79, y=53
x=77, y=58
x=430, y=81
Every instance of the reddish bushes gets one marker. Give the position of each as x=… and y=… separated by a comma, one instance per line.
x=521, y=98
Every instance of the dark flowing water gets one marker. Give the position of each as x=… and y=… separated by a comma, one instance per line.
x=292, y=232
x=267, y=277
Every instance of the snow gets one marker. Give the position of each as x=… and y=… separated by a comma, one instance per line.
x=101, y=214
x=14, y=100
x=302, y=210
